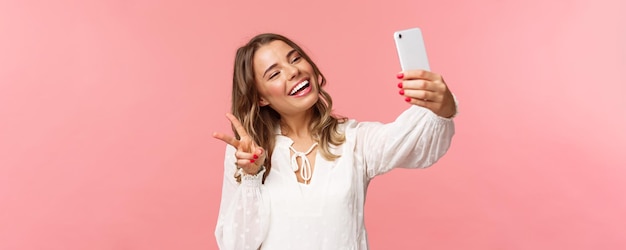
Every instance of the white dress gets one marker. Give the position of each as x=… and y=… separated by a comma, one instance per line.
x=327, y=213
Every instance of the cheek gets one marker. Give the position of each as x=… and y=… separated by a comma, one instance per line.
x=309, y=68
x=274, y=89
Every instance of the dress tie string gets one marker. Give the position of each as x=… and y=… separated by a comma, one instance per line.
x=305, y=169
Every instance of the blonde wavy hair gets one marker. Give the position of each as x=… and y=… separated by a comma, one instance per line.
x=260, y=122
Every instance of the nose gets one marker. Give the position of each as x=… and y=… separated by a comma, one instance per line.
x=292, y=71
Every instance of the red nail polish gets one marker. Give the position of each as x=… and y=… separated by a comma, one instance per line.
x=408, y=99
x=255, y=156
x=251, y=160
x=402, y=92
x=400, y=85
x=400, y=75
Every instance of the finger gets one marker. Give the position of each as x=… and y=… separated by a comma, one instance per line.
x=421, y=84
x=227, y=139
x=260, y=152
x=422, y=95
x=245, y=163
x=237, y=124
x=245, y=145
x=420, y=74
x=250, y=166
x=420, y=102
x=246, y=156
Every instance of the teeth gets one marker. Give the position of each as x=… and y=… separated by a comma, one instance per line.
x=299, y=86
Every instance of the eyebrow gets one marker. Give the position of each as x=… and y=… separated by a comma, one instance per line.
x=275, y=64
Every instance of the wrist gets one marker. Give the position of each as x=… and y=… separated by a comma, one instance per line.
x=454, y=108
x=252, y=171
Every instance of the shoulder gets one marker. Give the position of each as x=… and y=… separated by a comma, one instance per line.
x=352, y=128
x=347, y=125
x=354, y=125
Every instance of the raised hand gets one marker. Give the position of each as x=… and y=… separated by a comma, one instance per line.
x=250, y=156
x=427, y=89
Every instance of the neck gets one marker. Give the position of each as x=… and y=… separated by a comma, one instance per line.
x=297, y=126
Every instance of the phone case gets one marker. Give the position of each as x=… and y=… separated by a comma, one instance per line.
x=411, y=49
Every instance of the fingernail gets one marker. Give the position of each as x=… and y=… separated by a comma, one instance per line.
x=400, y=85
x=400, y=75
x=251, y=160
x=255, y=156
x=408, y=99
x=402, y=92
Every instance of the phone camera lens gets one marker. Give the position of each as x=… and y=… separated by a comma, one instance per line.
x=400, y=36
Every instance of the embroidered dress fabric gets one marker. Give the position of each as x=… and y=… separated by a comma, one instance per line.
x=328, y=212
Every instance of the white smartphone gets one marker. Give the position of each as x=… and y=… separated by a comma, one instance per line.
x=411, y=49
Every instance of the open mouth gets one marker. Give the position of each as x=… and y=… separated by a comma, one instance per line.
x=300, y=87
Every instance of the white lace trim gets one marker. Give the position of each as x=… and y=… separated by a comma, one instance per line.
x=251, y=180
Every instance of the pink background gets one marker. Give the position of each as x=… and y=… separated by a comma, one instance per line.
x=107, y=110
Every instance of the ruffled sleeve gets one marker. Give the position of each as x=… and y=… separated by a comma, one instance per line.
x=416, y=139
x=244, y=209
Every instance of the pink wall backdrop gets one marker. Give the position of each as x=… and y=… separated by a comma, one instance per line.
x=107, y=107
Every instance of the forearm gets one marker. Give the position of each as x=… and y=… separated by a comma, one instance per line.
x=243, y=222
x=416, y=139
x=244, y=209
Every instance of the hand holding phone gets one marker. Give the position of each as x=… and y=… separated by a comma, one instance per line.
x=419, y=86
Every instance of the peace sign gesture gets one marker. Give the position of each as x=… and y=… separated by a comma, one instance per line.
x=250, y=156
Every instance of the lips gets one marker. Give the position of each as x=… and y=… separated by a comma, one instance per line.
x=299, y=88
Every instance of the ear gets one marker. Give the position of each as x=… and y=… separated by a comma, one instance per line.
x=263, y=102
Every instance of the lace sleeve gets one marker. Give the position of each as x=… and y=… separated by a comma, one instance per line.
x=244, y=209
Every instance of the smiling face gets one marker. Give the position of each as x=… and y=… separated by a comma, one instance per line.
x=285, y=80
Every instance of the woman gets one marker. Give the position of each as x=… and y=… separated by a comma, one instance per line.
x=295, y=175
